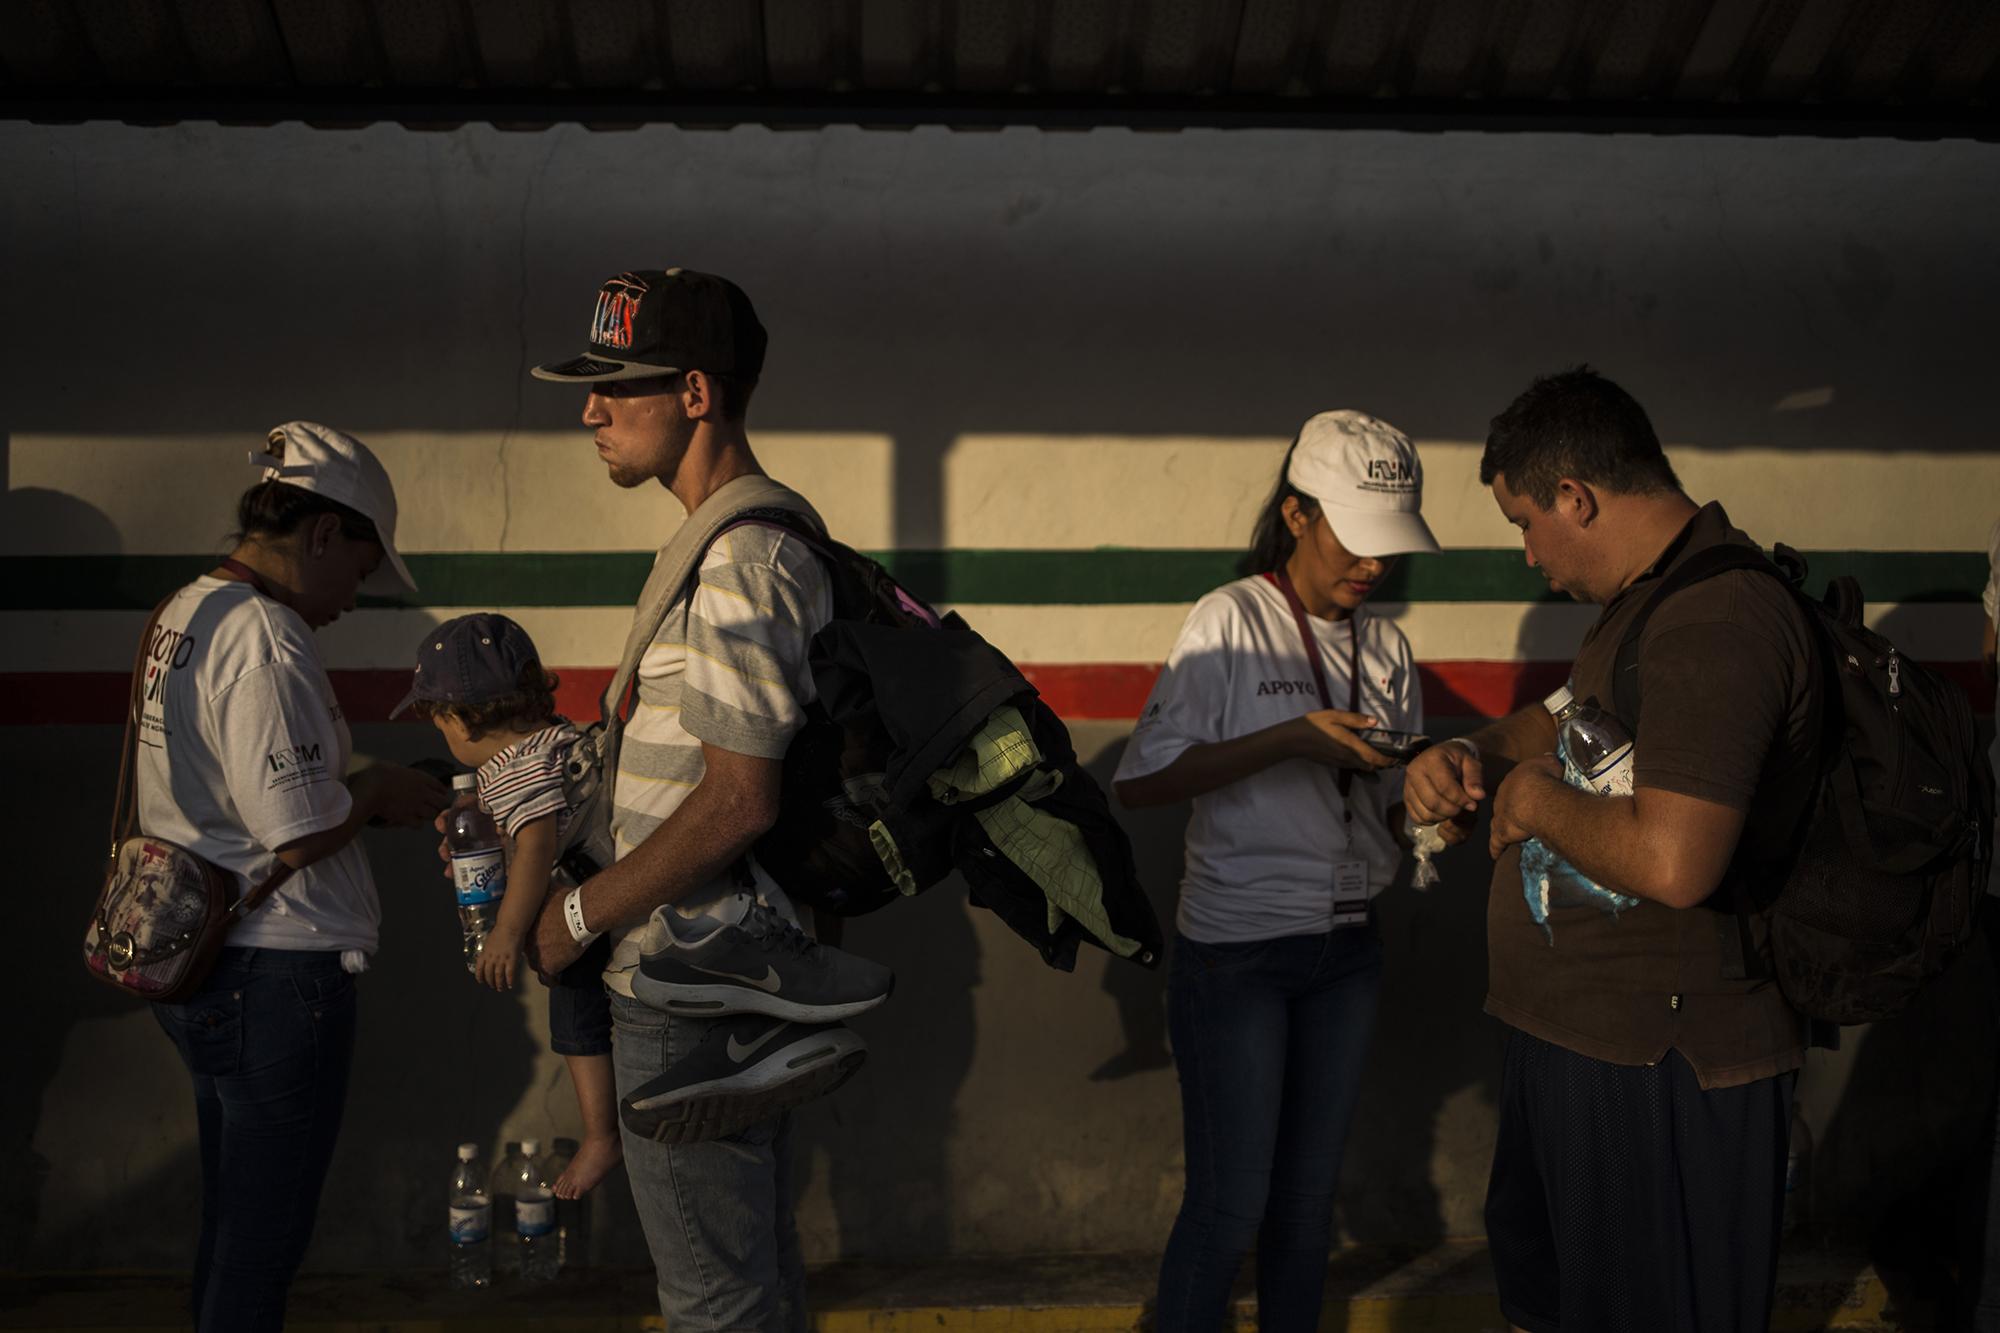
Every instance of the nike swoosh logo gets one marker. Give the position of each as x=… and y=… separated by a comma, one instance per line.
x=738, y=1052
x=768, y=982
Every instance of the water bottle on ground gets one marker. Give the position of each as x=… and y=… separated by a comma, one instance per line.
x=478, y=867
x=506, y=1240
x=1596, y=752
x=534, y=1215
x=471, y=1221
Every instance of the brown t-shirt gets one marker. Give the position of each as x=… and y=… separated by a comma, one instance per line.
x=1727, y=714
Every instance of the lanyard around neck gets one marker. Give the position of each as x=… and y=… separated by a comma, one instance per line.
x=1283, y=582
x=242, y=573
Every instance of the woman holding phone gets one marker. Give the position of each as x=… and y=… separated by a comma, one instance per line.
x=246, y=763
x=1261, y=717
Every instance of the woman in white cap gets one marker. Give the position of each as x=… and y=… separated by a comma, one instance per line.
x=243, y=761
x=1259, y=718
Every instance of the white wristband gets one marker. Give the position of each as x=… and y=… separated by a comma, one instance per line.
x=1468, y=743
x=573, y=918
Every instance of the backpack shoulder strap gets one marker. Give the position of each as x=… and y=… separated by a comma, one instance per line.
x=1739, y=953
x=679, y=559
x=1703, y=565
x=790, y=521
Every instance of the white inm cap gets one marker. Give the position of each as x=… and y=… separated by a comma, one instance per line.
x=1368, y=481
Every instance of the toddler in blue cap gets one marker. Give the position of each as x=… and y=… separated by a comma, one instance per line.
x=481, y=683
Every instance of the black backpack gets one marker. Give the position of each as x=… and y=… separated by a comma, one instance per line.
x=901, y=690
x=1893, y=851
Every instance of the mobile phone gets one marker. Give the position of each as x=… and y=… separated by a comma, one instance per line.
x=1401, y=746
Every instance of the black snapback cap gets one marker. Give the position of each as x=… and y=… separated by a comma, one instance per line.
x=662, y=321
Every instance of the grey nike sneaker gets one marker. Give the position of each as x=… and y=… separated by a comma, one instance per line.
x=747, y=1069
x=750, y=960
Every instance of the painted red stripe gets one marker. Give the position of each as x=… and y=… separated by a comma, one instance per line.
x=1106, y=691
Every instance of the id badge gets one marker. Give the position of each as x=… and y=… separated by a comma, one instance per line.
x=1350, y=893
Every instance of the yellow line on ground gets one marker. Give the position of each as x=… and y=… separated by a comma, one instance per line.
x=1857, y=1303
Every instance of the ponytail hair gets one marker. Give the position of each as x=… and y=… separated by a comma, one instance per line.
x=278, y=509
x=1271, y=541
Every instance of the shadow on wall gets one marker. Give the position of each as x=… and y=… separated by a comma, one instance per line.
x=1422, y=1141
x=1736, y=250
x=1424, y=1115
x=64, y=859
x=873, y=1163
x=1158, y=837
x=98, y=1114
x=1901, y=1172
x=1903, y=1167
x=29, y=517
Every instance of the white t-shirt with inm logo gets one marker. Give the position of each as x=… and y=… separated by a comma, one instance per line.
x=1261, y=851
x=242, y=749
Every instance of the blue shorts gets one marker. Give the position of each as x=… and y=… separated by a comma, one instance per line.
x=579, y=1009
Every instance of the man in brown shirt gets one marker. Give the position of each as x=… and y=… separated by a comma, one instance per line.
x=1638, y=1176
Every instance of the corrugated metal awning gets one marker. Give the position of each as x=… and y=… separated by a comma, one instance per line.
x=1914, y=67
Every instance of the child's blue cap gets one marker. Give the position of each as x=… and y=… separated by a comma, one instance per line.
x=471, y=660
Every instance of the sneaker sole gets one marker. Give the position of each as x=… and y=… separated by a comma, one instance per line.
x=804, y=1071
x=718, y=1001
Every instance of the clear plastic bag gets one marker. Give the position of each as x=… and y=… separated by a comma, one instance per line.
x=1426, y=842
x=1548, y=881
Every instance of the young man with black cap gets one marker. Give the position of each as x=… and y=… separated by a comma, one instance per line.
x=1638, y=1174
x=721, y=688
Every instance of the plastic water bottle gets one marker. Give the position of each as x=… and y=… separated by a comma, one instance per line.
x=506, y=1240
x=1596, y=752
x=478, y=868
x=471, y=1221
x=534, y=1215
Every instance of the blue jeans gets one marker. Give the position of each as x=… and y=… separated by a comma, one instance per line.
x=1269, y=1038
x=268, y=1042
x=717, y=1215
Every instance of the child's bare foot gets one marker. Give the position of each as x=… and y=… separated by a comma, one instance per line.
x=593, y=1161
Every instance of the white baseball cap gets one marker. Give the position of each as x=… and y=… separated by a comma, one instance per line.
x=1368, y=481
x=333, y=463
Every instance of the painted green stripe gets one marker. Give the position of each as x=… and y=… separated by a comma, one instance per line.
x=1103, y=577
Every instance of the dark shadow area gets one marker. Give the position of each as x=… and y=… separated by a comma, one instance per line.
x=1416, y=1163
x=35, y=520
x=1158, y=837
x=1902, y=1169
x=925, y=286
x=882, y=1145
x=63, y=783
x=436, y=1061
x=1719, y=279
x=440, y=1060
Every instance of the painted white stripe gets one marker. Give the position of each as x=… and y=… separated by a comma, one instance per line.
x=592, y=636
x=1154, y=491
x=536, y=491
x=546, y=491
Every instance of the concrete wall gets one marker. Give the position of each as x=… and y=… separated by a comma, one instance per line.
x=1019, y=341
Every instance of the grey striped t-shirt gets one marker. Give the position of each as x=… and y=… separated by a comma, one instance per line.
x=728, y=666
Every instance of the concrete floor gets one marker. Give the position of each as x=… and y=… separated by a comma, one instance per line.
x=1446, y=1289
